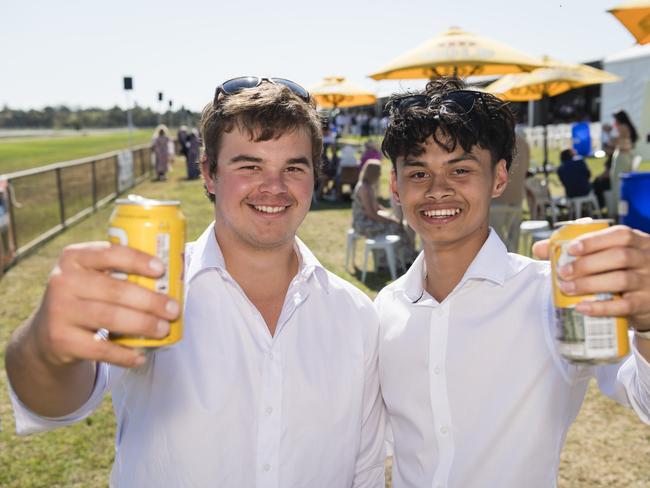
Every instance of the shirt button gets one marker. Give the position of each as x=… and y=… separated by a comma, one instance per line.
x=271, y=356
x=444, y=430
x=437, y=370
x=266, y=467
x=269, y=410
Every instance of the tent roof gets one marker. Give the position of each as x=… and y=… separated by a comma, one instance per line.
x=634, y=52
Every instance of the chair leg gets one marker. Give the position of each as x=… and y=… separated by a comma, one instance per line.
x=350, y=243
x=365, y=264
x=392, y=265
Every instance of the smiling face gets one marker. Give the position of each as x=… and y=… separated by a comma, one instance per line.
x=446, y=196
x=262, y=189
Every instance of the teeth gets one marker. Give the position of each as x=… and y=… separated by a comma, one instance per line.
x=267, y=209
x=446, y=212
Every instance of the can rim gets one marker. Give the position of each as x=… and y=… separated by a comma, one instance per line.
x=145, y=202
x=557, y=225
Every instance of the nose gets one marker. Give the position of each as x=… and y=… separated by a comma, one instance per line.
x=439, y=187
x=273, y=183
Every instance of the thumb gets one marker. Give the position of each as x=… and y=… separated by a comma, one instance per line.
x=540, y=249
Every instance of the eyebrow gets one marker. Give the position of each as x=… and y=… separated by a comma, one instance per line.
x=246, y=158
x=414, y=163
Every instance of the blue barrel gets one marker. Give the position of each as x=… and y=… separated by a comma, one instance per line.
x=634, y=207
x=581, y=138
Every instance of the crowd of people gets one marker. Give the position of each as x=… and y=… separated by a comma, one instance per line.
x=163, y=147
x=290, y=376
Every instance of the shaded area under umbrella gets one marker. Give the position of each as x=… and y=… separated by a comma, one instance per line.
x=635, y=17
x=336, y=92
x=555, y=78
x=458, y=53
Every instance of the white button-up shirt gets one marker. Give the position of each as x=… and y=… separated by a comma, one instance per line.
x=232, y=406
x=476, y=392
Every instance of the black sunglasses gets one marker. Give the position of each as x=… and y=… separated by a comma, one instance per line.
x=240, y=83
x=465, y=99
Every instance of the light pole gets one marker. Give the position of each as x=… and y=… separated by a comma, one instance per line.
x=171, y=114
x=160, y=107
x=128, y=87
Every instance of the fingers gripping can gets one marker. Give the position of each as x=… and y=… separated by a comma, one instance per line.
x=581, y=338
x=157, y=228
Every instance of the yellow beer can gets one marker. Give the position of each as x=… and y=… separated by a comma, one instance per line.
x=158, y=228
x=581, y=338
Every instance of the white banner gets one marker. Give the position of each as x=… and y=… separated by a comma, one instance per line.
x=125, y=164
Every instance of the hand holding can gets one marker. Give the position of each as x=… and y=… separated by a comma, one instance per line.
x=157, y=228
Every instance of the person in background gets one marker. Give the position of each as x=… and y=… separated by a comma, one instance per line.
x=511, y=199
x=192, y=152
x=371, y=219
x=602, y=182
x=182, y=137
x=371, y=152
x=622, y=157
x=160, y=147
x=574, y=174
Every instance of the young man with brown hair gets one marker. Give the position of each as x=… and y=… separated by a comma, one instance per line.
x=476, y=391
x=275, y=383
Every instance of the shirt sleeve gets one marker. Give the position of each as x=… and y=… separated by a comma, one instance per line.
x=28, y=422
x=369, y=469
x=629, y=383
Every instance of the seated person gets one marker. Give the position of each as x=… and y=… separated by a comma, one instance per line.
x=371, y=152
x=602, y=182
x=347, y=171
x=370, y=219
x=574, y=174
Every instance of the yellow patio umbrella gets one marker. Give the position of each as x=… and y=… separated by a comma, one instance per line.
x=459, y=53
x=635, y=16
x=554, y=79
x=337, y=92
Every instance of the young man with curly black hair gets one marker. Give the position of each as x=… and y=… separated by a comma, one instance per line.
x=476, y=392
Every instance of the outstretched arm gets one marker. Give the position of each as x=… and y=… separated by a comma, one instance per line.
x=51, y=358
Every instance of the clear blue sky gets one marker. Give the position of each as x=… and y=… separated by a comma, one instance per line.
x=76, y=52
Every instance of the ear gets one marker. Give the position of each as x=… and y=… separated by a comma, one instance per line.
x=500, y=178
x=208, y=180
x=393, y=185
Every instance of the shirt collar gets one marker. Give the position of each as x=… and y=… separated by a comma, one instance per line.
x=205, y=253
x=491, y=263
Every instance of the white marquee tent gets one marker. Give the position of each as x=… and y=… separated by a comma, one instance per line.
x=632, y=94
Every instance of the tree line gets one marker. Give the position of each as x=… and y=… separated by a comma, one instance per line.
x=62, y=117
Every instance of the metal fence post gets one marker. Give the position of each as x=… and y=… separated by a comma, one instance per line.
x=12, y=220
x=59, y=187
x=117, y=175
x=93, y=172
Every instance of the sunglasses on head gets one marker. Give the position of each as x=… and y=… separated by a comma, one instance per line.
x=465, y=99
x=235, y=85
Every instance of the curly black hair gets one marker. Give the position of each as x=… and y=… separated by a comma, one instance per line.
x=452, y=115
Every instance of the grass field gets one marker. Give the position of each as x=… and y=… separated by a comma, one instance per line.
x=606, y=447
x=18, y=154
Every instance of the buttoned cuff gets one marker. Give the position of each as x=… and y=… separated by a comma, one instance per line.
x=635, y=377
x=28, y=422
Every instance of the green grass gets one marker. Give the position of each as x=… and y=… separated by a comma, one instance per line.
x=606, y=438
x=19, y=154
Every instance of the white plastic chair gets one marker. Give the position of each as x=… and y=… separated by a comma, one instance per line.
x=530, y=228
x=350, y=248
x=576, y=204
x=387, y=244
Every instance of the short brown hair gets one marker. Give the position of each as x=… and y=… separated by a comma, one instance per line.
x=266, y=112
